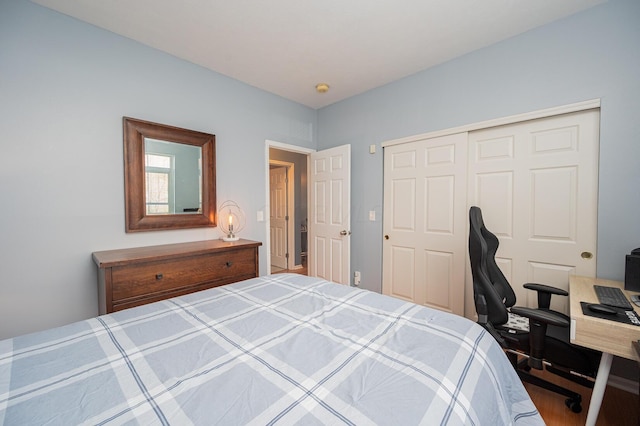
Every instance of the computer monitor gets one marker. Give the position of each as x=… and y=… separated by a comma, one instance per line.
x=632, y=271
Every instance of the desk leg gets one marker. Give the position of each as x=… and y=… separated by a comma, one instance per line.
x=598, y=388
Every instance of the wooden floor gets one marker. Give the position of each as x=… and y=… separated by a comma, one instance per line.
x=302, y=271
x=619, y=408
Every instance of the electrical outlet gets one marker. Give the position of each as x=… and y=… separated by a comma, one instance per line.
x=356, y=278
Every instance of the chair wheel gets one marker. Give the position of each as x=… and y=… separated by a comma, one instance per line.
x=573, y=405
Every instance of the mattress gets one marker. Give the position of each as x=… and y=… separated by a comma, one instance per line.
x=280, y=349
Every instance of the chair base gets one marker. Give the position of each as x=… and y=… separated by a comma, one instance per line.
x=587, y=383
x=574, y=399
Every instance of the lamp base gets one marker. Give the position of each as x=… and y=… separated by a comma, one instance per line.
x=234, y=238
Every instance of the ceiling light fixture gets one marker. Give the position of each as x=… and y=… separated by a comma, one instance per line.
x=322, y=87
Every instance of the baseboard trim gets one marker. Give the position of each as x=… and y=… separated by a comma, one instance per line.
x=623, y=384
x=294, y=267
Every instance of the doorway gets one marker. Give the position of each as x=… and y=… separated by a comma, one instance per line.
x=287, y=208
x=282, y=215
x=326, y=219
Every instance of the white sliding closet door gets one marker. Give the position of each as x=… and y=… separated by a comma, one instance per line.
x=536, y=182
x=537, y=185
x=424, y=251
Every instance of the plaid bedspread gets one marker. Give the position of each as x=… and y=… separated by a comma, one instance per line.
x=281, y=349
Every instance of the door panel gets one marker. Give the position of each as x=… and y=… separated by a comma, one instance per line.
x=536, y=183
x=336, y=261
x=438, y=269
x=424, y=203
x=403, y=263
x=330, y=224
x=403, y=203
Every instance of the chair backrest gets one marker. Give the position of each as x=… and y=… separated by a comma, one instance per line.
x=491, y=290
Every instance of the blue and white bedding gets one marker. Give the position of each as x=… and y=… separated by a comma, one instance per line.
x=281, y=349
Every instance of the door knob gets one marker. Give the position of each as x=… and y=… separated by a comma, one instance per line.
x=343, y=233
x=586, y=255
x=386, y=237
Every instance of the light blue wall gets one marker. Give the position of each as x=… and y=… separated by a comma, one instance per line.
x=64, y=88
x=594, y=54
x=65, y=85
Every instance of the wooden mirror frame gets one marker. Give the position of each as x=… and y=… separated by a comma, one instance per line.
x=135, y=131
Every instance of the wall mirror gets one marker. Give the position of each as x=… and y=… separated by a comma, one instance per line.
x=169, y=177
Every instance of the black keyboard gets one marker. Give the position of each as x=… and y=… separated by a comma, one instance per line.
x=612, y=296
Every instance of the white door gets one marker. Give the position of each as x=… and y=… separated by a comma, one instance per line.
x=278, y=216
x=424, y=223
x=537, y=185
x=330, y=222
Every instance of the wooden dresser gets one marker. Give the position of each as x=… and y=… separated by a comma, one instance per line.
x=136, y=276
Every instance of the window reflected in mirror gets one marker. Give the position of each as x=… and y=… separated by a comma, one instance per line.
x=160, y=197
x=173, y=178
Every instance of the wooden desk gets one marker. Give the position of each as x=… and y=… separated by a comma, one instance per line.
x=610, y=337
x=636, y=346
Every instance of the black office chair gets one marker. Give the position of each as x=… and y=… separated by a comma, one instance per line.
x=539, y=334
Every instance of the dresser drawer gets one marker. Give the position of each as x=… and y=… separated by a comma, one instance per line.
x=140, y=280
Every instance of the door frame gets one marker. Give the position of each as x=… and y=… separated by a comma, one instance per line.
x=266, y=212
x=512, y=119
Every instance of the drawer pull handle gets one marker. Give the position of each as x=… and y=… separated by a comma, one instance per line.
x=228, y=264
x=159, y=276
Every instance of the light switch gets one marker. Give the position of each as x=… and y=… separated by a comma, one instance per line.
x=372, y=149
x=372, y=215
x=260, y=216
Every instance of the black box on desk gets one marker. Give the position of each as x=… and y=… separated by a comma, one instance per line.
x=632, y=271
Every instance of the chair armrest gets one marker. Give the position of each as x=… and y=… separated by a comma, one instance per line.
x=546, y=288
x=539, y=319
x=542, y=315
x=544, y=293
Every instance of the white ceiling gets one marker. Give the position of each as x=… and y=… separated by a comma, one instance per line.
x=286, y=47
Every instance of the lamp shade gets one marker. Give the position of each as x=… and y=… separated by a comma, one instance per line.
x=231, y=220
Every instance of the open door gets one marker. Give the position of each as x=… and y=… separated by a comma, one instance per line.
x=330, y=216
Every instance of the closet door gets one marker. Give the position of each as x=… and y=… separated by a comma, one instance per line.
x=424, y=225
x=537, y=185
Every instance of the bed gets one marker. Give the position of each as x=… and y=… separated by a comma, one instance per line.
x=279, y=349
